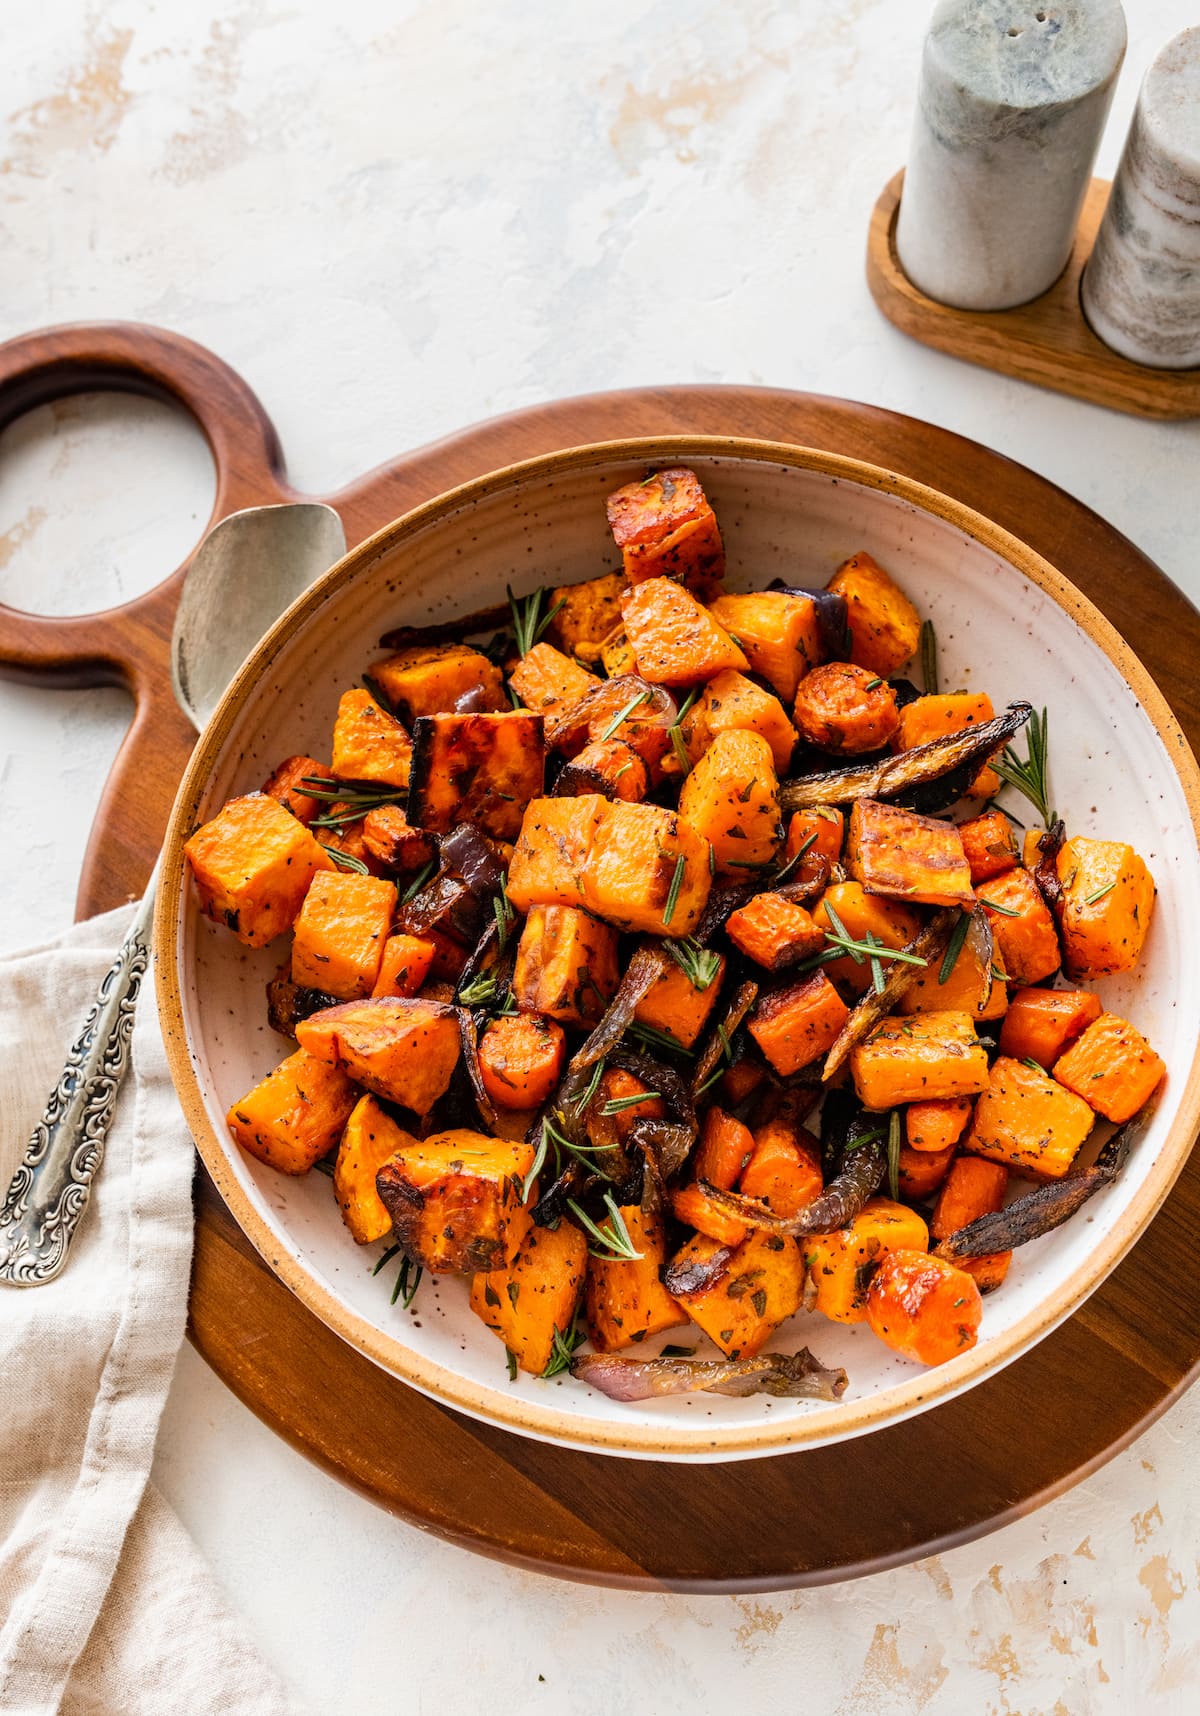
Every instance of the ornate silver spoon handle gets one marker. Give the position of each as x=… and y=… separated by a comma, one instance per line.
x=50, y=1190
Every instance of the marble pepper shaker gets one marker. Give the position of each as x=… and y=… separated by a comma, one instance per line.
x=1012, y=101
x=1141, y=286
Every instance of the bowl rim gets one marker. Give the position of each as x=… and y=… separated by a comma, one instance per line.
x=647, y=1438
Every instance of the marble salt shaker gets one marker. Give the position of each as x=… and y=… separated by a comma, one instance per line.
x=1141, y=286
x=1012, y=102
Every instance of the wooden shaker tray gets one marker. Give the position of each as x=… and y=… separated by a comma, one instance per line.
x=806, y=1518
x=1048, y=341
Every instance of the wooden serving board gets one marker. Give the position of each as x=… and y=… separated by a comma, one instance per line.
x=794, y=1519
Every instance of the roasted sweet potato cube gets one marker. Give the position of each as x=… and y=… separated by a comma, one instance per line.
x=785, y=1169
x=549, y=682
x=929, y=718
x=483, y=769
x=665, y=528
x=616, y=654
x=405, y=964
x=341, y=932
x=370, y=1138
x=673, y=1004
x=1028, y=1121
x=759, y=1290
x=779, y=633
x=607, y=766
x=846, y=905
x=675, y=640
x=919, y=1173
x=252, y=865
x=553, y=849
x=885, y=628
x=368, y=743
x=526, y=1301
x=1040, y=1023
x=844, y=708
x=1112, y=1067
x=566, y=965
x=925, y=1055
x=937, y=1124
x=840, y=1264
x=587, y=613
x=1108, y=899
x=296, y=1115
x=390, y=838
x=400, y=1048
x=731, y=799
x=904, y=856
x=1026, y=941
x=795, y=1026
x=733, y=703
x=990, y=843
x=627, y=1301
x=774, y=932
x=287, y=785
x=451, y=1197
x=432, y=679
x=647, y=870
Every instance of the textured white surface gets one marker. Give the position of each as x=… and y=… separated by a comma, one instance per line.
x=394, y=219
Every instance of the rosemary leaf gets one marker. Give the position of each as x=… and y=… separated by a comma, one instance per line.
x=929, y=660
x=954, y=947
x=673, y=891
x=347, y=860
x=894, y=1155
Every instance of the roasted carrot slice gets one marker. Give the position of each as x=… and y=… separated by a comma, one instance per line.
x=841, y=1264
x=844, y=708
x=521, y=1059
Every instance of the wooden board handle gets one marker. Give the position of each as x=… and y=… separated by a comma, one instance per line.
x=129, y=645
x=119, y=646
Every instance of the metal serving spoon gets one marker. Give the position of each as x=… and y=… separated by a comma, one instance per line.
x=248, y=569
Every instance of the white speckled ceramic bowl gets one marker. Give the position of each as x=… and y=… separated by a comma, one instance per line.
x=1007, y=622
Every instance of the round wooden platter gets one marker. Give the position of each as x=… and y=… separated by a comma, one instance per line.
x=797, y=1519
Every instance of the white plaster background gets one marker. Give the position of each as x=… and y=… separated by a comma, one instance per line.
x=394, y=219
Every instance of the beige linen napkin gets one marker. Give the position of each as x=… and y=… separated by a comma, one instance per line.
x=105, y=1603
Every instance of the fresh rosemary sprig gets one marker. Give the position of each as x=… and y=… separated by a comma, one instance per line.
x=504, y=914
x=591, y=1087
x=894, y=1155
x=700, y=964
x=482, y=988
x=1029, y=777
x=562, y=1348
x=929, y=661
x=873, y=942
x=528, y=623
x=856, y=953
x=1004, y=911
x=623, y=714
x=656, y=1039
x=418, y=882
x=872, y=948
x=869, y=1137
x=673, y=890
x=618, y=1104
x=406, y=1282
x=675, y=729
x=347, y=860
x=612, y=1236
x=954, y=947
